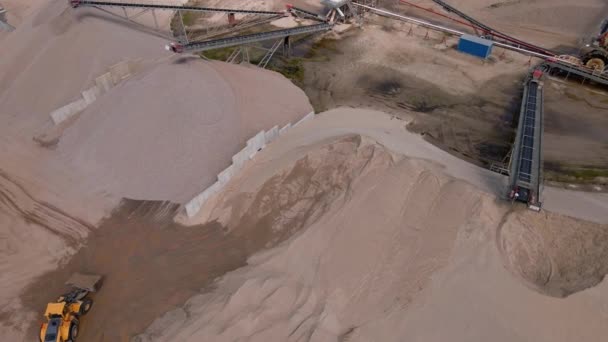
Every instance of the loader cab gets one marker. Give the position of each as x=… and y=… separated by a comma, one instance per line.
x=52, y=330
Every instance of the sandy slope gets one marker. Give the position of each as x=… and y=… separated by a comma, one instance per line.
x=405, y=253
x=45, y=212
x=177, y=137
x=47, y=206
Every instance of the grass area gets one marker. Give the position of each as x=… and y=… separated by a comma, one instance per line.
x=575, y=174
x=322, y=45
x=292, y=68
x=218, y=54
x=189, y=18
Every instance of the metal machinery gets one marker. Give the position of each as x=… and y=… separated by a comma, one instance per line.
x=595, y=54
x=526, y=162
x=63, y=315
x=218, y=39
x=246, y=39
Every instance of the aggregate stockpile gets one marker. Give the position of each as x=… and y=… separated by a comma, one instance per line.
x=166, y=133
x=56, y=53
x=388, y=247
x=52, y=202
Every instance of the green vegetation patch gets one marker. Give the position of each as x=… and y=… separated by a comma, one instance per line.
x=292, y=68
x=575, y=174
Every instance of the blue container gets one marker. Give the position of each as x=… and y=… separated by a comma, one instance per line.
x=475, y=46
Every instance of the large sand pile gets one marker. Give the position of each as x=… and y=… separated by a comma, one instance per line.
x=404, y=252
x=52, y=198
x=56, y=53
x=168, y=132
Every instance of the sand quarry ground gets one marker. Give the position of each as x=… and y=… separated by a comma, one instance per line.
x=351, y=227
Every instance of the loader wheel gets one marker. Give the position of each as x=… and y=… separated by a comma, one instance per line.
x=85, y=306
x=596, y=64
x=73, y=332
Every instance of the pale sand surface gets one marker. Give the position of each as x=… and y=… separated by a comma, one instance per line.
x=52, y=197
x=145, y=140
x=403, y=247
x=429, y=232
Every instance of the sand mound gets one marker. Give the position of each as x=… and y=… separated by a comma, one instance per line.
x=56, y=53
x=165, y=254
x=373, y=250
x=34, y=237
x=167, y=133
x=555, y=255
x=401, y=252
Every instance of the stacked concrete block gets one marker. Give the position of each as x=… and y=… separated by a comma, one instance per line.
x=90, y=95
x=193, y=207
x=272, y=134
x=255, y=144
x=67, y=111
x=120, y=71
x=284, y=129
x=240, y=158
x=224, y=176
x=103, y=83
x=305, y=118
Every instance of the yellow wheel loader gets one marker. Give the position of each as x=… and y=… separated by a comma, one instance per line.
x=63, y=315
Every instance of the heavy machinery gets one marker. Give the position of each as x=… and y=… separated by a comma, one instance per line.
x=63, y=315
x=595, y=54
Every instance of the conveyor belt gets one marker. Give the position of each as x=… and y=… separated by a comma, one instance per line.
x=581, y=71
x=491, y=31
x=248, y=39
x=528, y=115
x=78, y=3
x=526, y=168
x=306, y=13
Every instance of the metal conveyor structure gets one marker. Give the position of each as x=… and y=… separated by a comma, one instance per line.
x=306, y=14
x=81, y=3
x=526, y=163
x=490, y=31
x=552, y=64
x=247, y=39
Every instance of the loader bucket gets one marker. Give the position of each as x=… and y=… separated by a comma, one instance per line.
x=89, y=282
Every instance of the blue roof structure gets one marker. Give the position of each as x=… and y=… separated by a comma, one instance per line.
x=475, y=46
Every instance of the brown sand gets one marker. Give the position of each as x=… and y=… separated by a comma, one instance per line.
x=54, y=54
x=151, y=265
x=431, y=269
x=554, y=254
x=377, y=265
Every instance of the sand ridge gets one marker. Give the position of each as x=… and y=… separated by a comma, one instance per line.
x=374, y=265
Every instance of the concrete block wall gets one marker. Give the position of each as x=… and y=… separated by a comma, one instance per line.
x=254, y=145
x=60, y=115
x=118, y=72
